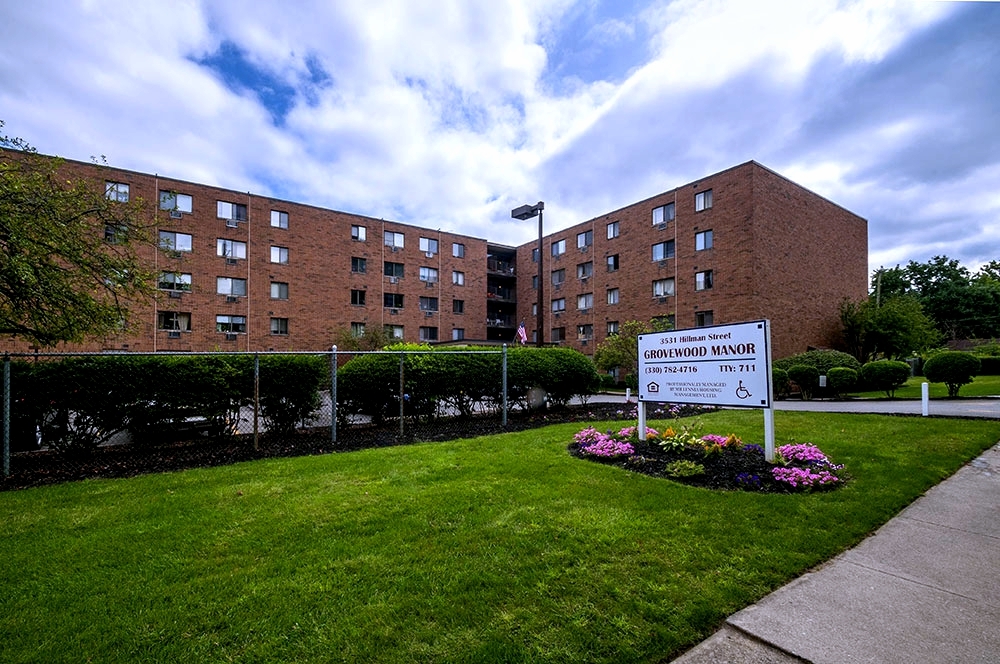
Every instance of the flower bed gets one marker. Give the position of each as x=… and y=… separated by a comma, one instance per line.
x=714, y=461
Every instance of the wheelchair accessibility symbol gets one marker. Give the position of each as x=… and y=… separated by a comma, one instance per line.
x=742, y=392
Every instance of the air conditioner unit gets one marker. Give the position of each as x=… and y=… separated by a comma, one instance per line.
x=393, y=312
x=230, y=337
x=395, y=249
x=176, y=214
x=429, y=254
x=393, y=280
x=428, y=314
x=583, y=279
x=583, y=342
x=430, y=284
x=584, y=311
x=174, y=334
x=230, y=261
x=231, y=298
x=663, y=300
x=175, y=294
x=232, y=223
x=661, y=227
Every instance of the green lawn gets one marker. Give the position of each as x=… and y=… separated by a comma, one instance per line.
x=981, y=386
x=499, y=549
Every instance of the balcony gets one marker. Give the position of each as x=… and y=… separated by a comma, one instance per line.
x=499, y=267
x=500, y=321
x=500, y=294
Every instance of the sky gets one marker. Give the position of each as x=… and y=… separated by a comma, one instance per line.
x=447, y=114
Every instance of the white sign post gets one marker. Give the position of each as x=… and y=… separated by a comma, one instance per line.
x=723, y=365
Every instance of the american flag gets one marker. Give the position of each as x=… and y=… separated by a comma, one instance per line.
x=522, y=334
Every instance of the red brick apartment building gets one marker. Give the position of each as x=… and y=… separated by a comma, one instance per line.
x=743, y=244
x=253, y=273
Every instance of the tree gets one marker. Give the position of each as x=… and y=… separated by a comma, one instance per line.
x=372, y=339
x=70, y=265
x=891, y=331
x=622, y=349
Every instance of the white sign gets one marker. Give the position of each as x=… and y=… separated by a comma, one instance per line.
x=723, y=365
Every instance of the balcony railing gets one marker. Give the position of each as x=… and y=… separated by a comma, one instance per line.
x=500, y=267
x=500, y=321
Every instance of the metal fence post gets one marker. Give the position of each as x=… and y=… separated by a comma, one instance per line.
x=504, y=371
x=6, y=416
x=333, y=394
x=402, y=397
x=256, y=400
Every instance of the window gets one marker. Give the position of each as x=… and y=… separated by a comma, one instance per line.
x=359, y=265
x=584, y=239
x=703, y=318
x=394, y=240
x=703, y=280
x=458, y=333
x=173, y=321
x=279, y=255
x=559, y=248
x=458, y=306
x=359, y=233
x=175, y=241
x=231, y=287
x=703, y=240
x=231, y=324
x=176, y=202
x=393, y=331
x=230, y=248
x=457, y=250
x=663, y=214
x=115, y=233
x=534, y=308
x=612, y=296
x=428, y=245
x=613, y=263
x=584, y=331
x=428, y=304
x=534, y=255
x=663, y=287
x=234, y=211
x=116, y=191
x=663, y=250
x=174, y=281
x=558, y=277
x=534, y=281
x=612, y=327
x=458, y=278
x=390, y=269
x=279, y=290
x=559, y=305
x=613, y=230
x=429, y=274
x=703, y=200
x=392, y=300
x=585, y=301
x=584, y=270
x=358, y=297
x=428, y=334
x=279, y=219
x=357, y=330
x=558, y=334
x=279, y=326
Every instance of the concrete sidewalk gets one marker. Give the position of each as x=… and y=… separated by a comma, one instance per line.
x=924, y=588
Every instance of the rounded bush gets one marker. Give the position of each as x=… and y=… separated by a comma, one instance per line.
x=953, y=368
x=780, y=383
x=885, y=375
x=806, y=377
x=823, y=360
x=841, y=379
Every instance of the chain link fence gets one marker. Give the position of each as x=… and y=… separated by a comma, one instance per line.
x=76, y=416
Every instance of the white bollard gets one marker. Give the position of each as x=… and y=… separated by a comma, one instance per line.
x=628, y=393
x=925, y=391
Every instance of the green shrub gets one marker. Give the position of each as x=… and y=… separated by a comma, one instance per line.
x=885, y=375
x=823, y=360
x=953, y=368
x=780, y=383
x=989, y=366
x=289, y=389
x=806, y=377
x=840, y=380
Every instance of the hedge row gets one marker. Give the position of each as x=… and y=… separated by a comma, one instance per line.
x=370, y=384
x=79, y=403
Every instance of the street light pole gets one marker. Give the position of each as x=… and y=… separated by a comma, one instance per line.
x=523, y=213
